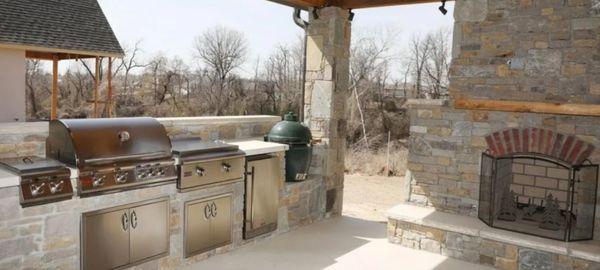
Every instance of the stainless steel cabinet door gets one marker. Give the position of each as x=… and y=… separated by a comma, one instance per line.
x=197, y=227
x=105, y=240
x=263, y=192
x=149, y=230
x=220, y=225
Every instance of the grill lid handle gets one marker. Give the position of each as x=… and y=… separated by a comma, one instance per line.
x=124, y=136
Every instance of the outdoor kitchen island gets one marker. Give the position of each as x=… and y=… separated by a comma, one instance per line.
x=50, y=236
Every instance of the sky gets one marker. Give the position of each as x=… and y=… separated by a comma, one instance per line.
x=170, y=27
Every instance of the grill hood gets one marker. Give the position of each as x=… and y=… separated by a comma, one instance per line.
x=92, y=142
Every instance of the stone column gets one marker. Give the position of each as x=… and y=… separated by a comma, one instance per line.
x=328, y=52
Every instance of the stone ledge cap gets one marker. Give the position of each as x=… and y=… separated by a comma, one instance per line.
x=430, y=217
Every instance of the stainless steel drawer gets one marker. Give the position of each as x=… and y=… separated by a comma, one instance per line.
x=196, y=174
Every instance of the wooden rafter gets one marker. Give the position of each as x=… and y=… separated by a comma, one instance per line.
x=350, y=4
x=357, y=4
x=304, y=4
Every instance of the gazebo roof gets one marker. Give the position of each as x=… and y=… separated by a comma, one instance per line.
x=350, y=4
x=66, y=28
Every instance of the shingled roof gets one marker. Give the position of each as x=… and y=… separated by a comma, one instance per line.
x=65, y=26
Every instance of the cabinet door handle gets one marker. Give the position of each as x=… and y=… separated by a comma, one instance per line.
x=252, y=196
x=213, y=208
x=210, y=210
x=134, y=220
x=124, y=221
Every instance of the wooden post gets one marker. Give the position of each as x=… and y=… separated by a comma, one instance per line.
x=96, y=85
x=54, y=98
x=109, y=95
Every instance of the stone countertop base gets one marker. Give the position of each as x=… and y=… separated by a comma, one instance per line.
x=473, y=227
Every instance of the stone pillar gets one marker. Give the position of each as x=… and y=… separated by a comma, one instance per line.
x=328, y=53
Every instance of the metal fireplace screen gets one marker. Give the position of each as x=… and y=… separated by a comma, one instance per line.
x=539, y=196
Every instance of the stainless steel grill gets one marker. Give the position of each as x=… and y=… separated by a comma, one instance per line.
x=113, y=154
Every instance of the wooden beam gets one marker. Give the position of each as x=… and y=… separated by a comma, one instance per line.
x=109, y=94
x=528, y=107
x=54, y=97
x=351, y=4
x=96, y=85
x=303, y=4
x=356, y=4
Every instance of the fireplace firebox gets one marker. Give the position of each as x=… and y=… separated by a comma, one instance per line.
x=539, y=182
x=538, y=195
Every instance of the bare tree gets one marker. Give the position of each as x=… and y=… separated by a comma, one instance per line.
x=438, y=64
x=222, y=50
x=419, y=49
x=369, y=54
x=282, y=72
x=32, y=71
x=128, y=63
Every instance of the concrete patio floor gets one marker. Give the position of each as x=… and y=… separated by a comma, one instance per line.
x=339, y=243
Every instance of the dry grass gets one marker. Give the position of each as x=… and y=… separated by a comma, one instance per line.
x=362, y=161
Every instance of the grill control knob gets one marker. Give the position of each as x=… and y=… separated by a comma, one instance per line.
x=161, y=172
x=200, y=171
x=37, y=190
x=226, y=167
x=121, y=178
x=98, y=181
x=56, y=187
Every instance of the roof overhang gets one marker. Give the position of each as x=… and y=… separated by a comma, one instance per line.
x=350, y=4
x=34, y=52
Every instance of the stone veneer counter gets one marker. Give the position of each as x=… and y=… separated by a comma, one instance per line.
x=48, y=236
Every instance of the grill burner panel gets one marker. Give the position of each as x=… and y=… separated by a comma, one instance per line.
x=41, y=180
x=114, y=179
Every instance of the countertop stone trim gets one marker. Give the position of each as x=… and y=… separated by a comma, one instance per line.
x=429, y=217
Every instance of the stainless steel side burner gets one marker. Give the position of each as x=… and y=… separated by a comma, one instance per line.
x=41, y=180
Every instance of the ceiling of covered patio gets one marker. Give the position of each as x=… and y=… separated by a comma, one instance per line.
x=350, y=4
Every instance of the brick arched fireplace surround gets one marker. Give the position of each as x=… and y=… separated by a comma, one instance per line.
x=539, y=182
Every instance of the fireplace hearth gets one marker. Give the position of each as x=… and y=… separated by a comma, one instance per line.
x=549, y=193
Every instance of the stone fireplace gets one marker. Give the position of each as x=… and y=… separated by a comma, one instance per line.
x=538, y=182
x=514, y=146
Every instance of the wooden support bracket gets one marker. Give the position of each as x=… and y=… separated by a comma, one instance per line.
x=528, y=107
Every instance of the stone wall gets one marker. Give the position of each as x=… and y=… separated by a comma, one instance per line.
x=446, y=144
x=23, y=139
x=479, y=250
x=527, y=50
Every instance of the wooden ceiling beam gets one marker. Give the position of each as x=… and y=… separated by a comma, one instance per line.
x=357, y=4
x=303, y=4
x=351, y=4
